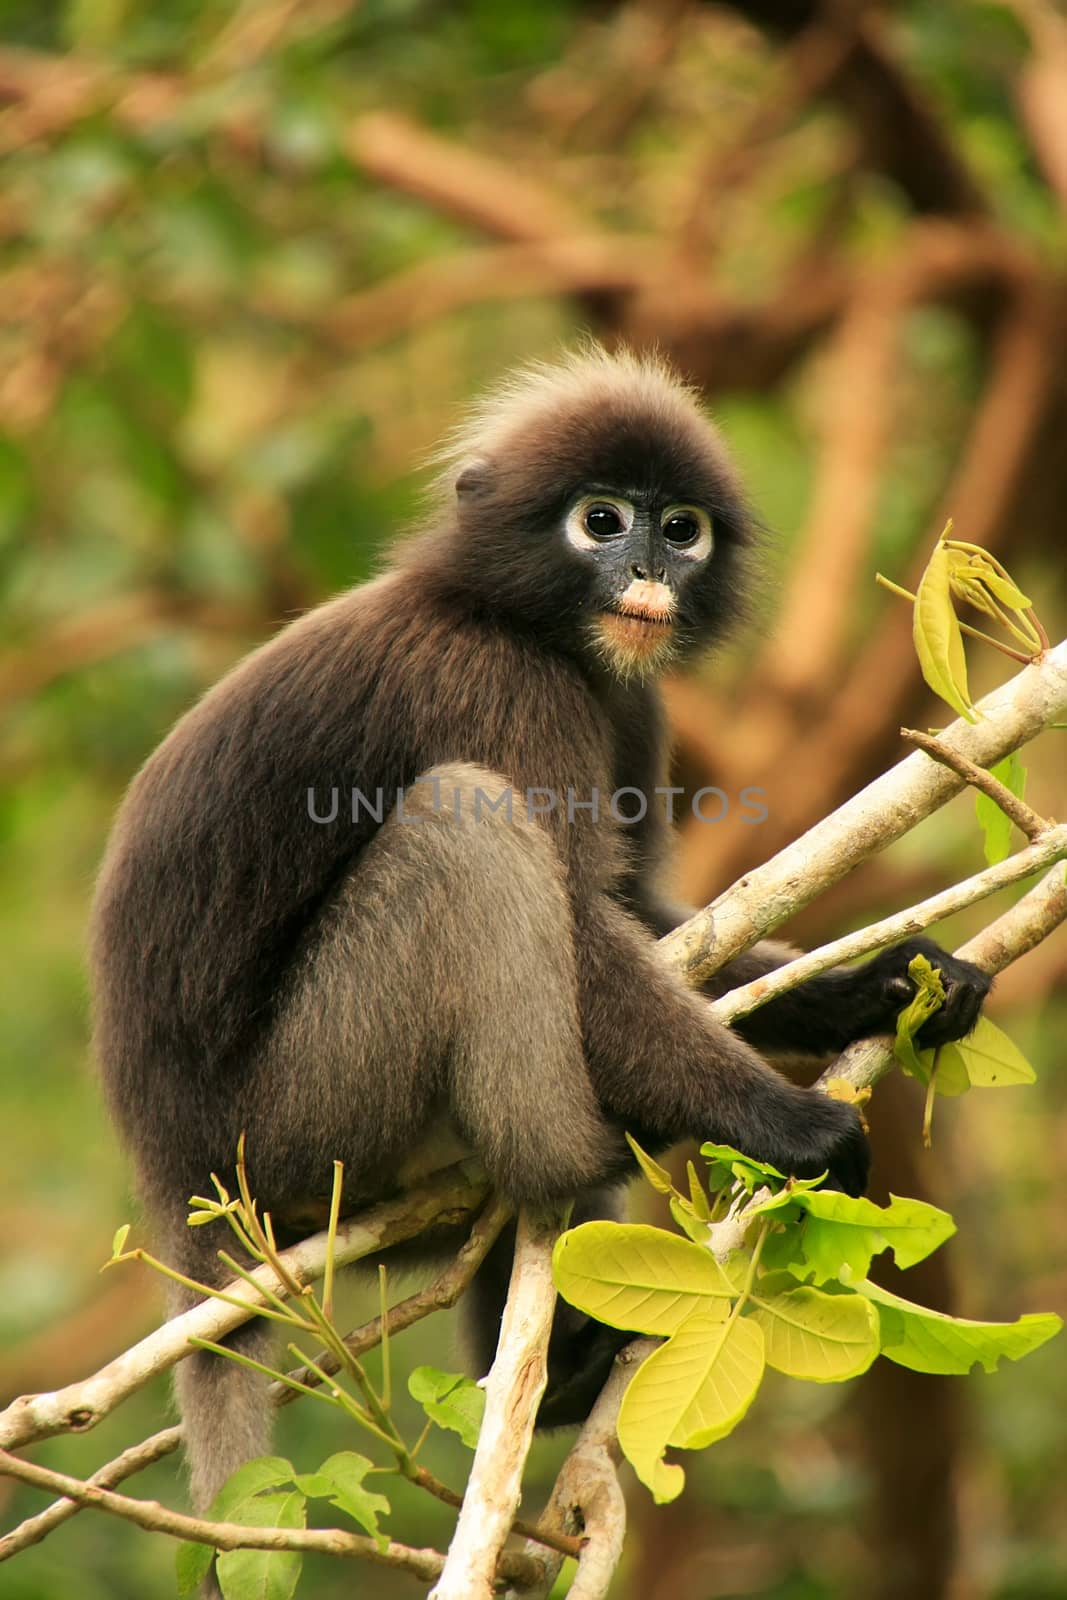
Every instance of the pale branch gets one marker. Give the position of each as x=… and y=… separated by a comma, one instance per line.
x=1024, y=817
x=586, y=1497
x=438, y=1295
x=1040, y=911
x=135, y=1459
x=882, y=812
x=513, y=1390
x=1052, y=846
x=450, y=1196
x=154, y=1518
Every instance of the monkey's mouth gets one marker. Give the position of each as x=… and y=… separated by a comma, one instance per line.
x=635, y=632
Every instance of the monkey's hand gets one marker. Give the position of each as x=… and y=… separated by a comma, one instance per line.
x=837, y=1144
x=810, y=1134
x=883, y=988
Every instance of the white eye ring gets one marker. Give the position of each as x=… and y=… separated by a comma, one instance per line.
x=701, y=546
x=578, y=534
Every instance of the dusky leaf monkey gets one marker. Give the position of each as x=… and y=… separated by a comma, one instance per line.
x=475, y=965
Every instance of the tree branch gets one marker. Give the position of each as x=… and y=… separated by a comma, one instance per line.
x=1029, y=921
x=153, y=1517
x=450, y=1196
x=872, y=819
x=514, y=1387
x=1052, y=846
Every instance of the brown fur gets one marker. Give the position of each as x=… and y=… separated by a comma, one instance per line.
x=352, y=988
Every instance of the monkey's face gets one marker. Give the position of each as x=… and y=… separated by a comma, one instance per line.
x=640, y=554
x=605, y=520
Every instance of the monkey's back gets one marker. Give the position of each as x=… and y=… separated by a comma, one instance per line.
x=216, y=873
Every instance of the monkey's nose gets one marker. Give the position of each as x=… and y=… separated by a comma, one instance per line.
x=640, y=570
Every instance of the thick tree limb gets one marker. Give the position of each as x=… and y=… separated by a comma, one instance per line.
x=513, y=1388
x=586, y=1496
x=872, y=819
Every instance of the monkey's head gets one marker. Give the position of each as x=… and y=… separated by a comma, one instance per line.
x=595, y=504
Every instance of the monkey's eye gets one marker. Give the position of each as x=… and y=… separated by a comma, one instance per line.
x=596, y=520
x=603, y=522
x=687, y=528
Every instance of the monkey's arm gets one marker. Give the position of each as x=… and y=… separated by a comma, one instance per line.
x=827, y=1013
x=665, y=1070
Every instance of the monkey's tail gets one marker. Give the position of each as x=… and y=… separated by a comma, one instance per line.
x=225, y=1407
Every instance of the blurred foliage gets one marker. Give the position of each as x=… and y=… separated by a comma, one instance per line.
x=199, y=437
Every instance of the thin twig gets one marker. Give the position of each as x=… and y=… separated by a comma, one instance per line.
x=450, y=1195
x=135, y=1459
x=153, y=1517
x=1024, y=817
x=439, y=1295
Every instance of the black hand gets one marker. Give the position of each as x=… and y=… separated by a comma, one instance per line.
x=821, y=1135
x=966, y=987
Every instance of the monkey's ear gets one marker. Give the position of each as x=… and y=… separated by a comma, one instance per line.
x=475, y=478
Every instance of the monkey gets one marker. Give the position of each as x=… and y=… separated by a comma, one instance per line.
x=276, y=952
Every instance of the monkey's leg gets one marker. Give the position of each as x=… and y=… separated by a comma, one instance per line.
x=580, y=1350
x=438, y=997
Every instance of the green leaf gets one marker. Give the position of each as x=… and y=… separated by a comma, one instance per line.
x=996, y=824
x=451, y=1400
x=264, y=1574
x=658, y=1176
x=697, y=1197
x=340, y=1480
x=118, y=1243
x=265, y=1472
x=947, y=1071
x=928, y=997
x=192, y=1563
x=692, y=1226
x=753, y=1174
x=938, y=640
x=231, y=1504
x=822, y=1337
x=691, y=1391
x=929, y=1341
x=841, y=1231
x=991, y=1059
x=639, y=1278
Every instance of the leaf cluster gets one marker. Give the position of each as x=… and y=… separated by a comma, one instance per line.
x=795, y=1297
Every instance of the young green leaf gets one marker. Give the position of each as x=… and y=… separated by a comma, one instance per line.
x=658, y=1176
x=807, y=1334
x=842, y=1231
x=685, y=1216
x=996, y=824
x=449, y=1399
x=938, y=640
x=991, y=1059
x=691, y=1391
x=752, y=1173
x=636, y=1277
x=697, y=1197
x=928, y=997
x=264, y=1574
x=950, y=1077
x=192, y=1563
x=340, y=1480
x=929, y=1341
